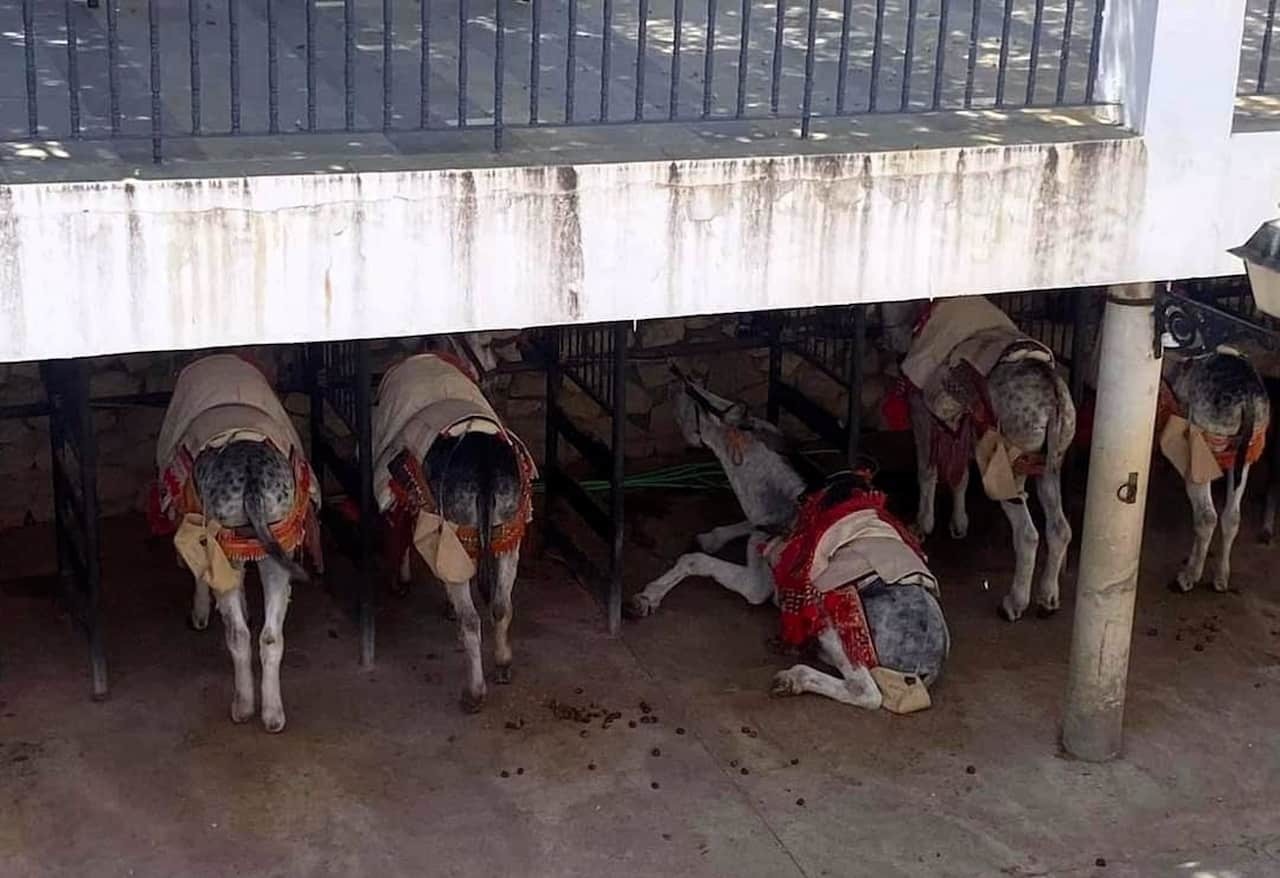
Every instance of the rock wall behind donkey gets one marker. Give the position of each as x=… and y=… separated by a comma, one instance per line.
x=127, y=434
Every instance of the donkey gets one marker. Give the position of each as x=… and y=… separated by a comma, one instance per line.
x=1034, y=413
x=905, y=620
x=235, y=486
x=478, y=483
x=1221, y=395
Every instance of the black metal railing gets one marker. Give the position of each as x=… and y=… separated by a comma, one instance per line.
x=1259, y=55
x=160, y=69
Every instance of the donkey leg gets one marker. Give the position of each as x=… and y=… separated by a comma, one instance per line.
x=1205, y=519
x=200, y=605
x=1057, y=533
x=502, y=612
x=235, y=623
x=1273, y=503
x=275, y=589
x=1026, y=541
x=858, y=688
x=718, y=537
x=959, y=509
x=740, y=579
x=469, y=632
x=926, y=472
x=1230, y=527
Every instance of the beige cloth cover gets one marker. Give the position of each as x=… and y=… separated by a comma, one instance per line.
x=217, y=400
x=974, y=331
x=419, y=400
x=1184, y=445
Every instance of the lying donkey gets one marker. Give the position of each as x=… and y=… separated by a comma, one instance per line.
x=1007, y=400
x=456, y=485
x=1212, y=422
x=785, y=531
x=236, y=487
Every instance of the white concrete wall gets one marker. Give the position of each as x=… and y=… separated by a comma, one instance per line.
x=91, y=268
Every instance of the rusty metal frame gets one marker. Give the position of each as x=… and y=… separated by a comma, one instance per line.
x=339, y=381
x=595, y=359
x=75, y=505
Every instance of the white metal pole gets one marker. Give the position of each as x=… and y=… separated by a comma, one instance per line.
x=1111, y=541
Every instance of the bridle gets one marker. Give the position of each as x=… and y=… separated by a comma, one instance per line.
x=702, y=405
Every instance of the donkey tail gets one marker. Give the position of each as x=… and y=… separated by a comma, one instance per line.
x=1248, y=421
x=486, y=569
x=1062, y=425
x=255, y=511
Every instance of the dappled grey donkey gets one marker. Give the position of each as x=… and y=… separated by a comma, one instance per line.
x=1212, y=422
x=235, y=485
x=983, y=391
x=457, y=487
x=870, y=579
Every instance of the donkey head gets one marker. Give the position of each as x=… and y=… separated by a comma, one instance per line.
x=706, y=418
x=899, y=320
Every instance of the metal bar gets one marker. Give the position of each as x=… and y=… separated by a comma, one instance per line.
x=273, y=71
x=551, y=435
x=773, y=404
x=387, y=49
x=309, y=9
x=617, y=509
x=73, y=69
x=606, y=57
x=424, y=64
x=806, y=109
x=113, y=76
x=642, y=35
x=779, y=31
x=708, y=60
x=853, y=411
x=499, y=70
x=363, y=400
x=29, y=47
x=1064, y=59
x=153, y=43
x=1034, y=62
x=1095, y=48
x=1266, y=46
x=571, y=60
x=193, y=41
x=677, y=38
x=812, y=415
x=233, y=56
x=908, y=54
x=744, y=57
x=842, y=73
x=349, y=65
x=1002, y=66
x=877, y=49
x=535, y=60
x=593, y=451
x=972, y=66
x=88, y=454
x=940, y=52
x=463, y=15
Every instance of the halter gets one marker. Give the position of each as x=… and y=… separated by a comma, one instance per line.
x=734, y=437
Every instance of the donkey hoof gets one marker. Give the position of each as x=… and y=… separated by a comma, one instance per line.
x=502, y=674
x=959, y=531
x=241, y=713
x=638, y=607
x=1008, y=612
x=273, y=723
x=1221, y=587
x=1177, y=586
x=197, y=623
x=471, y=702
x=399, y=589
x=785, y=684
x=1045, y=612
x=1266, y=537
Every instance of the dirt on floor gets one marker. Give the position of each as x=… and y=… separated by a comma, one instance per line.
x=659, y=752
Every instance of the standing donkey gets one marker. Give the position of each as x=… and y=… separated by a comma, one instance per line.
x=235, y=487
x=901, y=611
x=1213, y=418
x=456, y=486
x=1008, y=387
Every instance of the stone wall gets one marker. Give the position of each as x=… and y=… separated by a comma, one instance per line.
x=127, y=434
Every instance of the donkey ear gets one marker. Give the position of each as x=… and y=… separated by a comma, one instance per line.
x=736, y=415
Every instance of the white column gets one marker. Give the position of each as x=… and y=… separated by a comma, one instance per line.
x=1111, y=541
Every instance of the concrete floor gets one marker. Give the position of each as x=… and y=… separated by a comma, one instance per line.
x=380, y=774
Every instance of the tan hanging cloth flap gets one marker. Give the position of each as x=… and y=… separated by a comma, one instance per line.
x=197, y=543
x=996, y=466
x=901, y=693
x=437, y=542
x=1183, y=444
